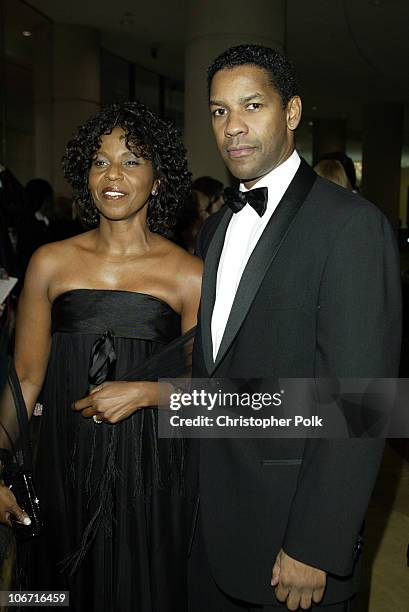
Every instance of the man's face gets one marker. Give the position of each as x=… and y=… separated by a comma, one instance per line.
x=254, y=133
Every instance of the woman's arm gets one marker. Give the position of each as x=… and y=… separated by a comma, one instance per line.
x=33, y=329
x=190, y=282
x=31, y=354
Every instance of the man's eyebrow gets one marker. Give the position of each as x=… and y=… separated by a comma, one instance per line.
x=216, y=103
x=251, y=97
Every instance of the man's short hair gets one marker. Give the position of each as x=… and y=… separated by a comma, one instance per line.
x=278, y=66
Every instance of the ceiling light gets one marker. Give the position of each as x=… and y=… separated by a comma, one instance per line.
x=26, y=33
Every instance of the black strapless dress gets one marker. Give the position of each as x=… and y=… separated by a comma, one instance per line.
x=112, y=495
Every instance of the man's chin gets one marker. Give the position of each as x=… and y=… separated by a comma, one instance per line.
x=246, y=177
x=241, y=171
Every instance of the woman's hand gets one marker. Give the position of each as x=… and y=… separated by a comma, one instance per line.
x=9, y=507
x=112, y=402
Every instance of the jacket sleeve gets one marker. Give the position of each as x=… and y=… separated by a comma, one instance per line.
x=358, y=336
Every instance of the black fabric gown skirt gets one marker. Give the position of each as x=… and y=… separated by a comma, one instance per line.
x=117, y=518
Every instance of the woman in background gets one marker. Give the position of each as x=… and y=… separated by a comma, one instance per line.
x=333, y=170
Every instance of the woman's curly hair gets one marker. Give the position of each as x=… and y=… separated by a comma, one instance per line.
x=156, y=140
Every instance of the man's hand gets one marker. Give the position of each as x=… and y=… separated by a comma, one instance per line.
x=297, y=584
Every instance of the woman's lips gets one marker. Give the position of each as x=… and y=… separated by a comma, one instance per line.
x=111, y=194
x=240, y=152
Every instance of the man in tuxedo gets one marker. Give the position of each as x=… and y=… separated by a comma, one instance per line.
x=301, y=279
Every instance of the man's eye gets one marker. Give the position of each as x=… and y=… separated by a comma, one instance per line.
x=219, y=112
x=254, y=106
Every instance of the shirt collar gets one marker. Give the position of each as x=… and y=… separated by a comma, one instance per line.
x=282, y=174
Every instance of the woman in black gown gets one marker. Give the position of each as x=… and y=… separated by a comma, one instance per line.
x=95, y=307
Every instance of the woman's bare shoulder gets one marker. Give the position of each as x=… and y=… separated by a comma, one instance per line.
x=62, y=248
x=48, y=260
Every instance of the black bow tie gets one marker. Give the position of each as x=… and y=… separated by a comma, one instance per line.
x=257, y=198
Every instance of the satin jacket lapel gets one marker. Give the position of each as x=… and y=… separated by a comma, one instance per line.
x=265, y=253
x=209, y=287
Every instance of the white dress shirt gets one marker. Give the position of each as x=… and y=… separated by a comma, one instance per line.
x=242, y=235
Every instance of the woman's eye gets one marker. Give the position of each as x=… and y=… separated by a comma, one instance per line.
x=99, y=162
x=132, y=162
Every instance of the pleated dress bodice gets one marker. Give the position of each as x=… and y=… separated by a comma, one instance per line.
x=128, y=314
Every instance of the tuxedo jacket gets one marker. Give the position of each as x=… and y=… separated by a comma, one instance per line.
x=319, y=297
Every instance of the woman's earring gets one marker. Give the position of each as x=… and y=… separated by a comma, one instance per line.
x=155, y=190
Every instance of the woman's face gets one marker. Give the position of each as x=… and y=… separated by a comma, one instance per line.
x=120, y=181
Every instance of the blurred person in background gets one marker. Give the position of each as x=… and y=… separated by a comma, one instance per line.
x=347, y=164
x=11, y=210
x=210, y=195
x=333, y=170
x=189, y=222
x=64, y=222
x=205, y=199
x=33, y=228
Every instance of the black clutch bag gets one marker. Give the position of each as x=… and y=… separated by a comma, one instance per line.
x=22, y=486
x=16, y=456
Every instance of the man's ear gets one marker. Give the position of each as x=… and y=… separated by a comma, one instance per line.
x=293, y=112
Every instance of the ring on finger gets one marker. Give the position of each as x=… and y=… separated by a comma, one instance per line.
x=96, y=419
